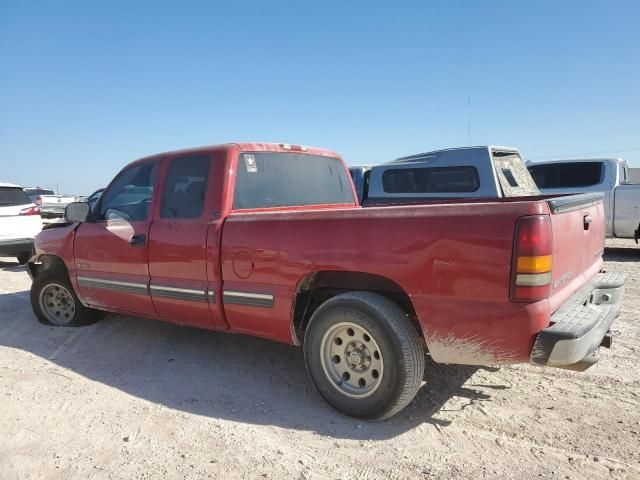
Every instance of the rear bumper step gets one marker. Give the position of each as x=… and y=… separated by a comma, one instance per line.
x=581, y=325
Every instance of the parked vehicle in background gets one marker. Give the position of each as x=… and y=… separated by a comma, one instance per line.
x=360, y=177
x=53, y=206
x=269, y=240
x=19, y=223
x=35, y=192
x=466, y=172
x=610, y=176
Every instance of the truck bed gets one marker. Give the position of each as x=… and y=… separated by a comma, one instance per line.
x=455, y=264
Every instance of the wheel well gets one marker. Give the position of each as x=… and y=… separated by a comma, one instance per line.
x=46, y=262
x=317, y=287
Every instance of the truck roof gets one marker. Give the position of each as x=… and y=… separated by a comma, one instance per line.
x=250, y=147
x=4, y=184
x=577, y=160
x=420, y=157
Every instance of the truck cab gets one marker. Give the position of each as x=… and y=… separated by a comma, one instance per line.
x=607, y=175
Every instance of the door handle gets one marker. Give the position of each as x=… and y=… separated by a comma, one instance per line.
x=587, y=221
x=138, y=240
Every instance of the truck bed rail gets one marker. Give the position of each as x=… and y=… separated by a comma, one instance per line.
x=568, y=203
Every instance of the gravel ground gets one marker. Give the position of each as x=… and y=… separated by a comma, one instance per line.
x=132, y=398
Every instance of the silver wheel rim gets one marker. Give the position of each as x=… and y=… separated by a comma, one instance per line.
x=57, y=304
x=352, y=360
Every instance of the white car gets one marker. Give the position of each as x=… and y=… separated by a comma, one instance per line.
x=20, y=222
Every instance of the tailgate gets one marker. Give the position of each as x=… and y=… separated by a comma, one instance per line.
x=55, y=200
x=578, y=225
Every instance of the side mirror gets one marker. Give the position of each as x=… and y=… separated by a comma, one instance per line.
x=77, y=212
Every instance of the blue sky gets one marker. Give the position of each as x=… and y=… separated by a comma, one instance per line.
x=86, y=87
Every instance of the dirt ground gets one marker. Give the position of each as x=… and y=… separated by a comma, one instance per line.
x=132, y=398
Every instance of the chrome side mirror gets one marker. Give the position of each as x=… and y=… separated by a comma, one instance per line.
x=77, y=212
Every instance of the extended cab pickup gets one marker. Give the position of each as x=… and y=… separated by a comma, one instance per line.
x=269, y=240
x=607, y=175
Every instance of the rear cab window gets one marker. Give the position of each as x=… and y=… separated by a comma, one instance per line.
x=270, y=179
x=13, y=196
x=567, y=175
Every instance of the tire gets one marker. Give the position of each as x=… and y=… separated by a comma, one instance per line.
x=70, y=312
x=376, y=329
x=23, y=258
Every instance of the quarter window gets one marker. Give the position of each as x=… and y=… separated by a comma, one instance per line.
x=129, y=196
x=186, y=187
x=431, y=180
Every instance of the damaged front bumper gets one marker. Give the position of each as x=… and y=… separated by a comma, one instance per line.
x=581, y=325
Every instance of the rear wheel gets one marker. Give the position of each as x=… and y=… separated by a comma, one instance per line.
x=55, y=303
x=363, y=355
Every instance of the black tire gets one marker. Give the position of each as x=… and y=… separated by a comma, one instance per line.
x=23, y=257
x=58, y=280
x=392, y=332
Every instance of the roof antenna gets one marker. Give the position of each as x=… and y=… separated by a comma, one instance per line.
x=469, y=121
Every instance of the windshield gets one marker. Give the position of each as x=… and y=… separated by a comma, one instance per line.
x=34, y=192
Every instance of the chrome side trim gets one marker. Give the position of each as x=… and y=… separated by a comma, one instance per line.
x=246, y=298
x=179, y=293
x=128, y=287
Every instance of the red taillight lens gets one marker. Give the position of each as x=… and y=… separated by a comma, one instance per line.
x=532, y=259
x=38, y=200
x=30, y=211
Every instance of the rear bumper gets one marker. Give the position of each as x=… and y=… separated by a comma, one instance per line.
x=15, y=246
x=52, y=212
x=581, y=325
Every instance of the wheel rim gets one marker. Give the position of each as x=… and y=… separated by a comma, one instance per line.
x=57, y=304
x=352, y=360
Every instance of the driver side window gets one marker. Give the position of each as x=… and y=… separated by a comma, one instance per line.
x=129, y=197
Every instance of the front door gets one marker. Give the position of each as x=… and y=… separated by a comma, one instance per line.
x=111, y=250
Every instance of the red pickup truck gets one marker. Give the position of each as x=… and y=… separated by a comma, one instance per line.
x=269, y=240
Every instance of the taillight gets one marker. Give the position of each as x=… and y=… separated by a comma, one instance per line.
x=30, y=211
x=38, y=200
x=532, y=259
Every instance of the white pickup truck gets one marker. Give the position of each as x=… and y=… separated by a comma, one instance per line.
x=607, y=175
x=53, y=206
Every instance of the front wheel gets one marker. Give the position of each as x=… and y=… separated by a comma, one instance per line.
x=55, y=303
x=23, y=258
x=363, y=355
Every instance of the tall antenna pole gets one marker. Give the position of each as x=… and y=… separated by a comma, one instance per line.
x=469, y=121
